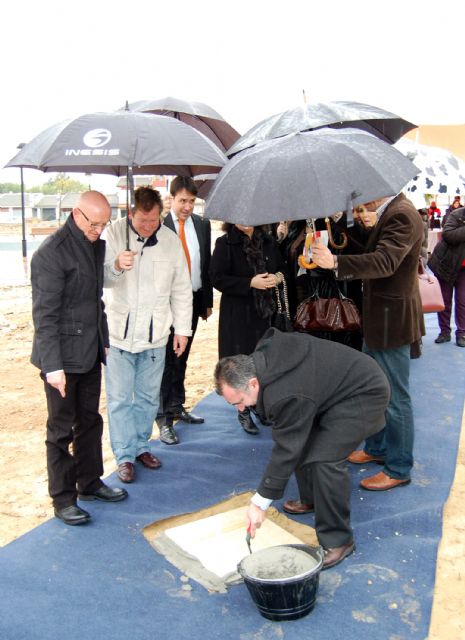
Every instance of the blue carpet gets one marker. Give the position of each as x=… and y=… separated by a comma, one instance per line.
x=104, y=581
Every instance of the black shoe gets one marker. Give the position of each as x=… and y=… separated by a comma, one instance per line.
x=104, y=493
x=247, y=423
x=460, y=341
x=72, y=515
x=168, y=434
x=442, y=337
x=181, y=414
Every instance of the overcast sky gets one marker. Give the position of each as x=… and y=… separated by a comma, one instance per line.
x=248, y=59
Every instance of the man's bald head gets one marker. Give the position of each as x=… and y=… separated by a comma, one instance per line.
x=91, y=214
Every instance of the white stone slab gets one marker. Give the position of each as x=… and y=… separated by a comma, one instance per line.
x=218, y=541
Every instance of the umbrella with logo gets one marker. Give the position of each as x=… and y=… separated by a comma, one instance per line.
x=440, y=171
x=307, y=175
x=196, y=114
x=109, y=143
x=121, y=143
x=339, y=114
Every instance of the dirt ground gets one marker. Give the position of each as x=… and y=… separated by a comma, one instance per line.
x=24, y=501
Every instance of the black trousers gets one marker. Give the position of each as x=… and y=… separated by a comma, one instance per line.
x=327, y=485
x=74, y=437
x=172, y=391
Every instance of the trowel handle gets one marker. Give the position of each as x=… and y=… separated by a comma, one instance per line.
x=247, y=539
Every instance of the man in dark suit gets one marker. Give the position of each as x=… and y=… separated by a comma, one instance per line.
x=70, y=341
x=195, y=235
x=322, y=398
x=392, y=321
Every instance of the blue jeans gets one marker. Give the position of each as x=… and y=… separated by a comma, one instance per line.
x=133, y=391
x=395, y=441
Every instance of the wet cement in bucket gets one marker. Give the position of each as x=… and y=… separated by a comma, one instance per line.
x=279, y=563
x=283, y=580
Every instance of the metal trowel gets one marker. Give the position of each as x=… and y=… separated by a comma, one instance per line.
x=247, y=539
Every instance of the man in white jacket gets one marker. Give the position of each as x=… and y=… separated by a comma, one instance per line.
x=147, y=290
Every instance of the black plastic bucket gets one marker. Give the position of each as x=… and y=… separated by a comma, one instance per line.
x=284, y=597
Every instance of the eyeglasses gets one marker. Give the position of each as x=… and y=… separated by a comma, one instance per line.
x=95, y=225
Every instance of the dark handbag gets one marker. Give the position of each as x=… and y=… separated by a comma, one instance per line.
x=282, y=319
x=430, y=290
x=327, y=314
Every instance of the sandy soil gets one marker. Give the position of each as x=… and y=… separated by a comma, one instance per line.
x=24, y=502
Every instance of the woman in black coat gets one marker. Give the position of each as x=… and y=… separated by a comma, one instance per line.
x=245, y=266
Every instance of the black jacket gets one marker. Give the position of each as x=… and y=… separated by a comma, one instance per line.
x=322, y=397
x=203, y=230
x=449, y=253
x=70, y=325
x=240, y=325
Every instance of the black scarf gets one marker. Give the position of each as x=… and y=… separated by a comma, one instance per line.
x=254, y=253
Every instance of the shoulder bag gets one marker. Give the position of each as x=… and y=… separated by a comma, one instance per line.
x=430, y=290
x=327, y=314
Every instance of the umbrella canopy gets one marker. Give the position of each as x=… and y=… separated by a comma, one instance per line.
x=307, y=175
x=204, y=184
x=383, y=124
x=440, y=170
x=113, y=142
x=196, y=114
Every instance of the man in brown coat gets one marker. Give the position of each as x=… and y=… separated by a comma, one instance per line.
x=392, y=321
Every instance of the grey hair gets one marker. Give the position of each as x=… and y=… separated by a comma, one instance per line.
x=235, y=371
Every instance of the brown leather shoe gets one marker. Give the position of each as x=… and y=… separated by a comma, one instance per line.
x=149, y=461
x=337, y=555
x=382, y=482
x=126, y=472
x=361, y=457
x=296, y=507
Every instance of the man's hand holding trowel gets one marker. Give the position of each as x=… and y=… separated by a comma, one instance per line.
x=255, y=518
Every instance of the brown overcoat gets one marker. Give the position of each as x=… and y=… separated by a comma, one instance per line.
x=392, y=311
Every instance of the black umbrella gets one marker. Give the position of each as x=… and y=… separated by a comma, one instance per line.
x=383, y=124
x=307, y=175
x=109, y=143
x=121, y=143
x=196, y=114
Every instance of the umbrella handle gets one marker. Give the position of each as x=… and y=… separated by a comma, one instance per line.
x=302, y=260
x=343, y=244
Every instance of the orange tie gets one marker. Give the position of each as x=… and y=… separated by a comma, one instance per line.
x=182, y=237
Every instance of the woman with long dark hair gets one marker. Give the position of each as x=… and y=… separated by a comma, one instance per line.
x=245, y=266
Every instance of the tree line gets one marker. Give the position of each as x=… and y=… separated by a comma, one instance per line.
x=61, y=183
